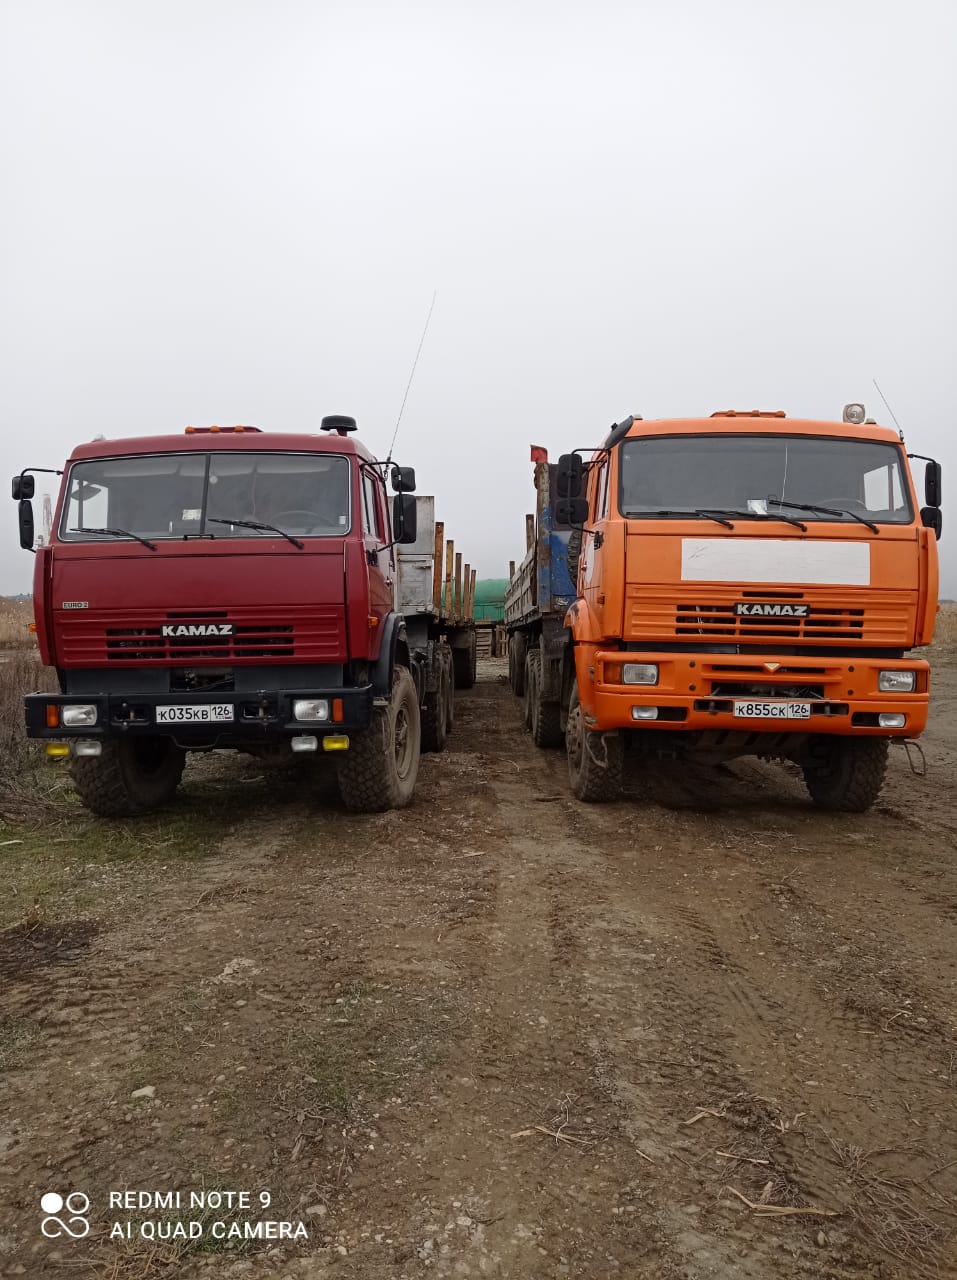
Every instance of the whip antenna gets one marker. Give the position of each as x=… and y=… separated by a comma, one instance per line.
x=889, y=409
x=412, y=374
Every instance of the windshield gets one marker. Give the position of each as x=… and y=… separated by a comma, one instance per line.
x=176, y=495
x=680, y=475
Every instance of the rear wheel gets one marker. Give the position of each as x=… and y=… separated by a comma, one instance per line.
x=845, y=775
x=465, y=664
x=436, y=714
x=546, y=725
x=130, y=776
x=533, y=670
x=595, y=760
x=517, y=650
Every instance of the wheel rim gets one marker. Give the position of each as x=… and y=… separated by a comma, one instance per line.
x=403, y=742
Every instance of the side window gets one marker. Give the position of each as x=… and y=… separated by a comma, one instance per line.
x=601, y=496
x=371, y=522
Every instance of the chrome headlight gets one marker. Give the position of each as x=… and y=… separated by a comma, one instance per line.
x=897, y=681
x=79, y=714
x=310, y=709
x=639, y=673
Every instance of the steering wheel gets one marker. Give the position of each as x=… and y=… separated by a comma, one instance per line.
x=843, y=502
x=313, y=517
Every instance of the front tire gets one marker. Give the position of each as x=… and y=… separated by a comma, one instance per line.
x=380, y=769
x=595, y=760
x=130, y=776
x=845, y=775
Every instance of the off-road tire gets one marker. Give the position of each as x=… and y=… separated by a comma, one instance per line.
x=533, y=660
x=465, y=664
x=546, y=722
x=595, y=760
x=436, y=715
x=450, y=700
x=845, y=775
x=380, y=769
x=517, y=651
x=129, y=777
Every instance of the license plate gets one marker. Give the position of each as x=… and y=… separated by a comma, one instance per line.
x=773, y=710
x=205, y=713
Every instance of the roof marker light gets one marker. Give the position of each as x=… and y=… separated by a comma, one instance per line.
x=854, y=414
x=190, y=431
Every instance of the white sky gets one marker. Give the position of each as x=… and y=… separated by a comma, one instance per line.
x=238, y=212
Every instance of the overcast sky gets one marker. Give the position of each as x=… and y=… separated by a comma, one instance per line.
x=239, y=212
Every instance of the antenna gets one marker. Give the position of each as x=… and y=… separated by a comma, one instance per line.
x=412, y=375
x=889, y=409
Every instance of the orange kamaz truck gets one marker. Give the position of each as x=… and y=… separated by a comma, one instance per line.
x=748, y=584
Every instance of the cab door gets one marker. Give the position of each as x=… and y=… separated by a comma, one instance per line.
x=375, y=538
x=591, y=577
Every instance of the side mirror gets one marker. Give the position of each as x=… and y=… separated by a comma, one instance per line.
x=932, y=518
x=23, y=487
x=404, y=518
x=27, y=532
x=570, y=472
x=932, y=485
x=403, y=479
x=571, y=511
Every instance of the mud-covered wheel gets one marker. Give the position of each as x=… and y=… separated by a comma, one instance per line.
x=533, y=671
x=546, y=724
x=465, y=664
x=130, y=776
x=517, y=651
x=845, y=775
x=450, y=691
x=595, y=760
x=380, y=768
x=436, y=714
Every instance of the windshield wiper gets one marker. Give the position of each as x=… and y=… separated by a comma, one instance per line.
x=823, y=511
x=115, y=533
x=761, y=515
x=705, y=515
x=263, y=528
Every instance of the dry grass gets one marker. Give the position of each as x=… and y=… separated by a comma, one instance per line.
x=945, y=631
x=20, y=759
x=15, y=619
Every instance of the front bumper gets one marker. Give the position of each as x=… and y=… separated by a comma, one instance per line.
x=698, y=692
x=257, y=718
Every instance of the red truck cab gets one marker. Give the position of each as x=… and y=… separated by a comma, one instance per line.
x=220, y=588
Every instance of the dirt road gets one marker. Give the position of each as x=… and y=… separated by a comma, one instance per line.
x=502, y=1033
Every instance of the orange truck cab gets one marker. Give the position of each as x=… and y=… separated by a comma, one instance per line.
x=749, y=584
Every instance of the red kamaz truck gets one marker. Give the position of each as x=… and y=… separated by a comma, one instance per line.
x=229, y=588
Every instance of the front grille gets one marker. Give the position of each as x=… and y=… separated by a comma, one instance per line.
x=721, y=620
x=852, y=617
x=148, y=644
x=132, y=638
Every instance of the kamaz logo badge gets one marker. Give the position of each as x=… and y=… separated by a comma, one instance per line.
x=745, y=609
x=197, y=629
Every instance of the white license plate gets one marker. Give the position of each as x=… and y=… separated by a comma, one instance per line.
x=215, y=712
x=773, y=710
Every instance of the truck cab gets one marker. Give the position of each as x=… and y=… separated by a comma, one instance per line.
x=224, y=588
x=749, y=584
